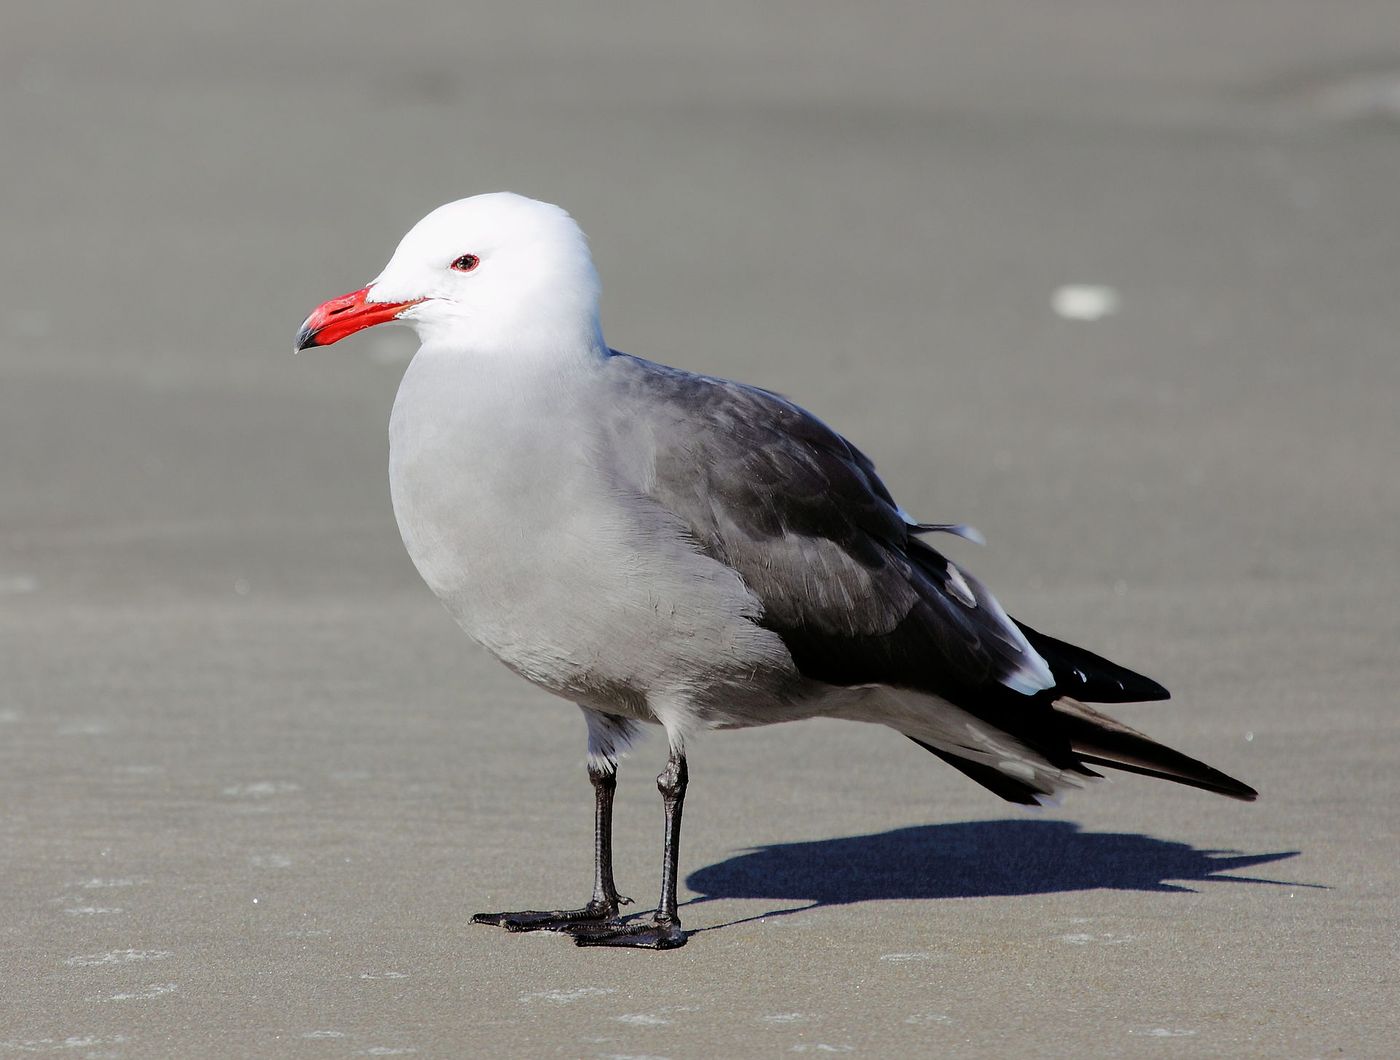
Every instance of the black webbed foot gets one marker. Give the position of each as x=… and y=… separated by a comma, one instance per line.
x=594, y=914
x=597, y=923
x=658, y=933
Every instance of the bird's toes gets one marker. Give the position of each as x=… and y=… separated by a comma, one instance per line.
x=553, y=920
x=494, y=919
x=646, y=935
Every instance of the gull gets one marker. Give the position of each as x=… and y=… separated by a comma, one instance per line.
x=662, y=547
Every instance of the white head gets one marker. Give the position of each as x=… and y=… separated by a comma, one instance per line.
x=494, y=274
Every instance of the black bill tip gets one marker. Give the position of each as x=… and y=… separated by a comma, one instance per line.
x=306, y=338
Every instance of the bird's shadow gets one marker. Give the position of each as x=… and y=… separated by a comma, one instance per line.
x=974, y=859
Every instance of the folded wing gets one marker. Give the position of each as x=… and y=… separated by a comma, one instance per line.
x=768, y=489
x=859, y=599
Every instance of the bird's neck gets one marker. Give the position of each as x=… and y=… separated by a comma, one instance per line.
x=539, y=345
x=502, y=386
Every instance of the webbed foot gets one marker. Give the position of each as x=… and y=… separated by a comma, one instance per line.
x=594, y=914
x=657, y=933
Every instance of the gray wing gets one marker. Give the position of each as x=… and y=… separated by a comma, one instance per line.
x=769, y=490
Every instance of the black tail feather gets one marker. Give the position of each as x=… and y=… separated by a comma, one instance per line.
x=1100, y=740
x=1080, y=737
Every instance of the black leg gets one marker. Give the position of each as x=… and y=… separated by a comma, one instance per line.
x=671, y=783
x=663, y=930
x=604, y=890
x=603, y=906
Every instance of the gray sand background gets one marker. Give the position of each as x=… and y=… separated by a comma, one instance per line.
x=253, y=781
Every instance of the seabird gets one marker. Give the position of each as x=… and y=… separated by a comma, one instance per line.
x=662, y=547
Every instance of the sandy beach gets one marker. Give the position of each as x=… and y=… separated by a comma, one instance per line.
x=1117, y=284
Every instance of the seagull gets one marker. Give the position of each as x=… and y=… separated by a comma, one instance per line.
x=666, y=548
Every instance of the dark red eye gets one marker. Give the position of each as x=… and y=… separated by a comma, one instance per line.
x=466, y=263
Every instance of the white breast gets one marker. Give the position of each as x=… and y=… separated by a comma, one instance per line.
x=505, y=508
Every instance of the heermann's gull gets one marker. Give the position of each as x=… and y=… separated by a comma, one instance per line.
x=659, y=546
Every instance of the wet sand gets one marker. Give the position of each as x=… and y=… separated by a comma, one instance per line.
x=253, y=782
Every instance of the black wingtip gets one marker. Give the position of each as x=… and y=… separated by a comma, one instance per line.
x=1091, y=678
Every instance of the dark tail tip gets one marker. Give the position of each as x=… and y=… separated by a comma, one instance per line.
x=1097, y=739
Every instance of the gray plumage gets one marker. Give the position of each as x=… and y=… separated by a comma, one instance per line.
x=770, y=491
x=665, y=547
x=660, y=546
